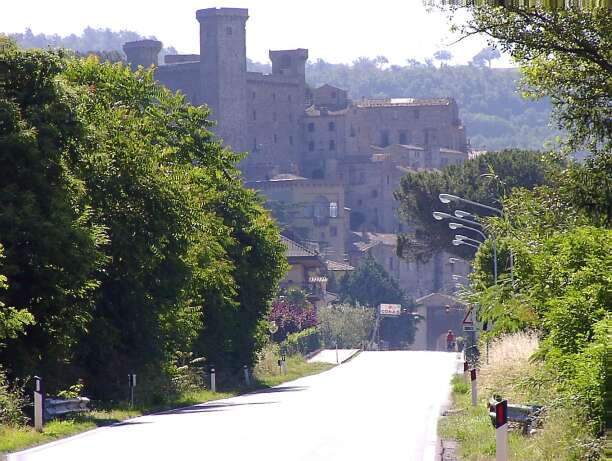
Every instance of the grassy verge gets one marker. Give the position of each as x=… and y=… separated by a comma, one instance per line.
x=265, y=375
x=564, y=434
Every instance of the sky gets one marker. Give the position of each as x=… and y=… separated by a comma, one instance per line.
x=333, y=30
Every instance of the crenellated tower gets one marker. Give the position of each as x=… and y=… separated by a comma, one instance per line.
x=142, y=52
x=223, y=71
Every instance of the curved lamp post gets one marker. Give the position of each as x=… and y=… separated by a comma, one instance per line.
x=462, y=242
x=447, y=198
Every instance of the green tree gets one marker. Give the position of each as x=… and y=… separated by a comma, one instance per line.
x=346, y=325
x=51, y=242
x=564, y=55
x=370, y=285
x=485, y=179
x=487, y=54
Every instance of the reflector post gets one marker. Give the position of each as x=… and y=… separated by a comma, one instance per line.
x=501, y=413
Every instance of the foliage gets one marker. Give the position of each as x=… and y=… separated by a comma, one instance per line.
x=128, y=237
x=485, y=179
x=487, y=54
x=12, y=401
x=345, y=325
x=564, y=55
x=91, y=41
x=12, y=321
x=303, y=342
x=291, y=316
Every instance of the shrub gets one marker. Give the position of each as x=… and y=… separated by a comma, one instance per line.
x=12, y=401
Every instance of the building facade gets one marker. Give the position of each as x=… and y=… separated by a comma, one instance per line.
x=342, y=159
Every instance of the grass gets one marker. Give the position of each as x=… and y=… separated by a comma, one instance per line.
x=266, y=374
x=564, y=435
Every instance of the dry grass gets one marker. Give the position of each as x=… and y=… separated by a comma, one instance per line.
x=513, y=374
x=509, y=365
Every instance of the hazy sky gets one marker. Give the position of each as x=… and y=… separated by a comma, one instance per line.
x=334, y=30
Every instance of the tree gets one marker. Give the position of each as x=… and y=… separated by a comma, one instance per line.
x=487, y=54
x=564, y=55
x=52, y=244
x=370, y=285
x=485, y=179
x=443, y=56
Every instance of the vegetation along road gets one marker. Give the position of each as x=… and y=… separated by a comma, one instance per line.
x=380, y=405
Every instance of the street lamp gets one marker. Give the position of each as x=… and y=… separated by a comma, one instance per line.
x=455, y=226
x=462, y=242
x=464, y=214
x=439, y=216
x=447, y=198
x=464, y=238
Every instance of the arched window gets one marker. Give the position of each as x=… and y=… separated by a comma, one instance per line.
x=333, y=209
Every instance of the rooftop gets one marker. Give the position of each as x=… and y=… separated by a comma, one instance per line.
x=295, y=250
x=402, y=102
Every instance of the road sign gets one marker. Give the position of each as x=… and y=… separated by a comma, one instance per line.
x=468, y=327
x=467, y=319
x=393, y=310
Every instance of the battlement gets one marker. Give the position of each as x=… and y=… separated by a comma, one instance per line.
x=142, y=52
x=216, y=12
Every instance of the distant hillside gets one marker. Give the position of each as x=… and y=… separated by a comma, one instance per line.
x=491, y=107
x=493, y=111
x=90, y=40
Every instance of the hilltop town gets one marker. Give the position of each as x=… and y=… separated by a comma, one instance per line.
x=338, y=161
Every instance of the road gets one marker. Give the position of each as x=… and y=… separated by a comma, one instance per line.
x=380, y=406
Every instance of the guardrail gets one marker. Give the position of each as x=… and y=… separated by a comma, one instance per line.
x=57, y=407
x=526, y=415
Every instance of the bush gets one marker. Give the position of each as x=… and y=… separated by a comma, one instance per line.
x=12, y=401
x=303, y=342
x=350, y=326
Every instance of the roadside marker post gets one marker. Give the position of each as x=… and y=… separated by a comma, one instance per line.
x=466, y=369
x=501, y=431
x=213, y=380
x=39, y=402
x=474, y=386
x=132, y=385
x=247, y=378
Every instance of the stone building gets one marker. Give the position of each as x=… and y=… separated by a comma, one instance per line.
x=309, y=144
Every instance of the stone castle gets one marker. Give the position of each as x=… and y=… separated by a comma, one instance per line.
x=339, y=160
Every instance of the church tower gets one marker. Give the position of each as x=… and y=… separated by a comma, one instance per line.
x=223, y=71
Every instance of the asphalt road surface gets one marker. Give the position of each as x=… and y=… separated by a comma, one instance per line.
x=379, y=406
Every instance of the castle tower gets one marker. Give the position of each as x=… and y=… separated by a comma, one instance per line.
x=223, y=71
x=290, y=63
x=142, y=52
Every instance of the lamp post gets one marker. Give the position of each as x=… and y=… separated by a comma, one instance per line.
x=462, y=242
x=447, y=198
x=455, y=226
x=467, y=239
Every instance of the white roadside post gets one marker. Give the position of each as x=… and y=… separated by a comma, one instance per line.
x=247, y=378
x=39, y=400
x=474, y=387
x=337, y=361
x=132, y=385
x=501, y=431
x=213, y=380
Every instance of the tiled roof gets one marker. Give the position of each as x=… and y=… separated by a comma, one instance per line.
x=337, y=266
x=402, y=102
x=295, y=250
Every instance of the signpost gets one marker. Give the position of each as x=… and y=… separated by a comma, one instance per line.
x=390, y=310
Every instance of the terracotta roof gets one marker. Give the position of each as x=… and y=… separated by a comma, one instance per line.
x=287, y=177
x=337, y=266
x=402, y=102
x=295, y=250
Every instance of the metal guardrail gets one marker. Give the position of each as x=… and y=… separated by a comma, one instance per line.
x=58, y=407
x=526, y=415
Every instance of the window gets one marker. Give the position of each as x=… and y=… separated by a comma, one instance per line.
x=254, y=115
x=333, y=209
x=353, y=133
x=359, y=202
x=403, y=137
x=384, y=138
x=255, y=144
x=387, y=179
x=311, y=146
x=332, y=145
x=291, y=140
x=331, y=126
x=275, y=138
x=274, y=96
x=333, y=231
x=311, y=127
x=253, y=94
x=334, y=95
x=321, y=207
x=228, y=30
x=374, y=193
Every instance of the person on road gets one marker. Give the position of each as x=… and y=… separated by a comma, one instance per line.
x=450, y=340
